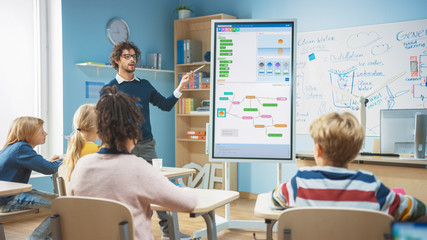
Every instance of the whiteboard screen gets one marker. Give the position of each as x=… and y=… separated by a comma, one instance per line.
x=253, y=90
x=358, y=60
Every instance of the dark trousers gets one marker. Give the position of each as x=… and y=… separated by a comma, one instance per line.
x=147, y=150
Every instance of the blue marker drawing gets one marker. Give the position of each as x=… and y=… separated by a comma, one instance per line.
x=380, y=49
x=419, y=91
x=345, y=81
x=362, y=39
x=311, y=57
x=391, y=97
x=422, y=66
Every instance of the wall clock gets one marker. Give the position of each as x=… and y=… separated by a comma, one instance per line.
x=117, y=30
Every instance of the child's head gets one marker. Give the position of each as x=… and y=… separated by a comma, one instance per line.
x=84, y=121
x=85, y=118
x=339, y=135
x=28, y=129
x=119, y=118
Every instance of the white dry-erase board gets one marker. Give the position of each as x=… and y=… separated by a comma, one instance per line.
x=358, y=60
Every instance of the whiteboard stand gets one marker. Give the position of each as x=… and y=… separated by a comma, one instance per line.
x=226, y=223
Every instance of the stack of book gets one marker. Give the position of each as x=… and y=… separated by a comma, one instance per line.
x=154, y=60
x=201, y=80
x=201, y=111
x=205, y=80
x=186, y=105
x=196, y=135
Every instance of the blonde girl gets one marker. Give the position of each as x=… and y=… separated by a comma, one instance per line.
x=82, y=141
x=18, y=159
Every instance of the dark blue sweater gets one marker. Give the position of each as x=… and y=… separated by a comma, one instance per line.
x=18, y=160
x=147, y=94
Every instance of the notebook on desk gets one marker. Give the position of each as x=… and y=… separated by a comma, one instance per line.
x=409, y=230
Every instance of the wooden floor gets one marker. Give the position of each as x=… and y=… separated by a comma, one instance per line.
x=241, y=209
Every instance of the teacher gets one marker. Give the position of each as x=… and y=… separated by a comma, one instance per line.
x=123, y=58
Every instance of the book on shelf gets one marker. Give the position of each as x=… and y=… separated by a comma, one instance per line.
x=206, y=103
x=206, y=82
x=188, y=51
x=195, y=137
x=186, y=105
x=201, y=80
x=154, y=60
x=203, y=109
x=180, y=78
x=199, y=112
x=180, y=51
x=196, y=133
x=192, y=51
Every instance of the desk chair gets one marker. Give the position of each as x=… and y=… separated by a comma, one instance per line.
x=54, y=181
x=61, y=186
x=10, y=215
x=333, y=224
x=59, y=181
x=87, y=218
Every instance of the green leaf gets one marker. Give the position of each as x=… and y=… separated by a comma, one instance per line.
x=183, y=7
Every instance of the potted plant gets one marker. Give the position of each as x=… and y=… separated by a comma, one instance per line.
x=183, y=11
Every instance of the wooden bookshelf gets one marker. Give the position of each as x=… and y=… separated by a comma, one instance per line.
x=188, y=150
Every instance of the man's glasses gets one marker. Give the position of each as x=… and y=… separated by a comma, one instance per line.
x=128, y=56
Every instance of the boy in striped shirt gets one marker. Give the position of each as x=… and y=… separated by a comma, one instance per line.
x=337, y=141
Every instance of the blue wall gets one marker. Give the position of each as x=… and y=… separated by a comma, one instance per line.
x=43, y=183
x=84, y=40
x=151, y=27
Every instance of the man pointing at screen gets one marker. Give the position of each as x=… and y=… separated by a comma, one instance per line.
x=123, y=58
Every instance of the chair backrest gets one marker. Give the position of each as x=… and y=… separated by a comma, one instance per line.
x=55, y=183
x=333, y=224
x=90, y=218
x=61, y=183
x=62, y=189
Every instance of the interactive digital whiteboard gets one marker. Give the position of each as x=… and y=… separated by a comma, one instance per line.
x=252, y=90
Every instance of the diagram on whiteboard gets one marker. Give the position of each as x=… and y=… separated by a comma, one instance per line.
x=254, y=117
x=333, y=64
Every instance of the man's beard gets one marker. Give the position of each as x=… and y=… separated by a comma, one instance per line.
x=129, y=70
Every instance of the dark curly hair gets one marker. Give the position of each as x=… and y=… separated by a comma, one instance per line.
x=118, y=50
x=119, y=118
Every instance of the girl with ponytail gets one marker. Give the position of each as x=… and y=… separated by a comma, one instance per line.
x=82, y=141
